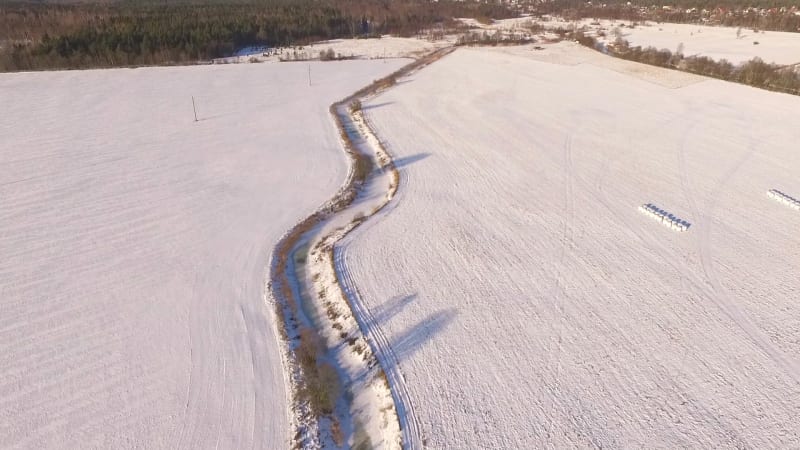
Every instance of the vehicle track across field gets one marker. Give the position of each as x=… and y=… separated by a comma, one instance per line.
x=716, y=292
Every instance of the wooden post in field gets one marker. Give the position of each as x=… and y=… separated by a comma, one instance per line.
x=309, y=74
x=194, y=108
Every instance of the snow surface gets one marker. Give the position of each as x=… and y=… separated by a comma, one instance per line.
x=718, y=42
x=135, y=244
x=385, y=47
x=528, y=303
x=513, y=24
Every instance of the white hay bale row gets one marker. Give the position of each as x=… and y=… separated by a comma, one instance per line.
x=664, y=217
x=784, y=198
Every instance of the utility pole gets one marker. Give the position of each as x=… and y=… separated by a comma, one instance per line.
x=194, y=108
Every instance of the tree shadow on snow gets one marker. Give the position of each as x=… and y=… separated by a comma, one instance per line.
x=408, y=160
x=376, y=105
x=385, y=312
x=203, y=119
x=413, y=338
x=406, y=344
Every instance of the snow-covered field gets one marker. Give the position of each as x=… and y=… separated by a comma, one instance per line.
x=700, y=40
x=526, y=300
x=719, y=42
x=135, y=244
x=385, y=47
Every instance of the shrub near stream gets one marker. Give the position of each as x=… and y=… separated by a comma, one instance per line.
x=321, y=388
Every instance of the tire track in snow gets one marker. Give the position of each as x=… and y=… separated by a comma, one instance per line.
x=696, y=408
x=567, y=241
x=717, y=294
x=409, y=423
x=710, y=286
x=190, y=384
x=572, y=181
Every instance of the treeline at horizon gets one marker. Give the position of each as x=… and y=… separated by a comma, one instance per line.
x=754, y=14
x=38, y=36
x=678, y=4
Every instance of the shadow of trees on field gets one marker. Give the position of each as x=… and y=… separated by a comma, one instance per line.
x=376, y=105
x=408, y=160
x=393, y=350
x=394, y=305
x=415, y=336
